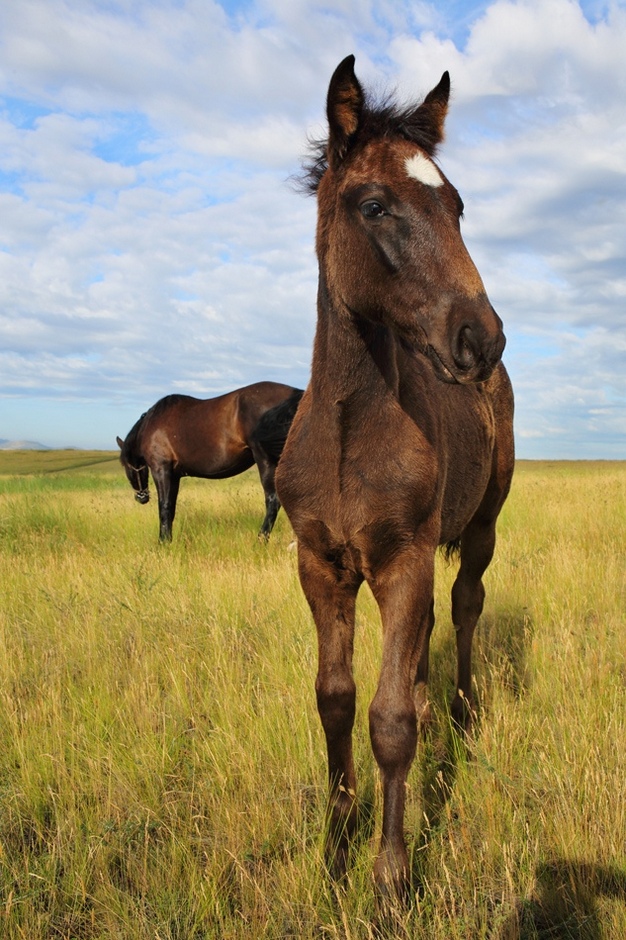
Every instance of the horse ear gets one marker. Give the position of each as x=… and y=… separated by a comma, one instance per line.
x=431, y=114
x=344, y=106
x=120, y=442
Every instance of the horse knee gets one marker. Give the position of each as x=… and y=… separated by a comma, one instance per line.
x=468, y=599
x=336, y=704
x=393, y=733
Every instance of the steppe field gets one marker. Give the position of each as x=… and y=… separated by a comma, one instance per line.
x=162, y=764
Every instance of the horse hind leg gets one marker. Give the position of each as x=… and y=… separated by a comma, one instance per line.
x=468, y=595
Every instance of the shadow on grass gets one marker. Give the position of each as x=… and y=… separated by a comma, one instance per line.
x=565, y=906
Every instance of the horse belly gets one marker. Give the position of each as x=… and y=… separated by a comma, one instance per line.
x=219, y=463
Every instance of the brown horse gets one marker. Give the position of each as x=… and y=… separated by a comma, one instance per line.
x=210, y=438
x=409, y=413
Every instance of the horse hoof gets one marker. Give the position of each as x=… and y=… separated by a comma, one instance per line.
x=462, y=712
x=392, y=883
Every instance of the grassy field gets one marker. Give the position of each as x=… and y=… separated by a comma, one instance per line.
x=163, y=767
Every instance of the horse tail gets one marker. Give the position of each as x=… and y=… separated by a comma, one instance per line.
x=273, y=426
x=451, y=551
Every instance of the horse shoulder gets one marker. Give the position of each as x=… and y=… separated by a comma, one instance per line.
x=158, y=446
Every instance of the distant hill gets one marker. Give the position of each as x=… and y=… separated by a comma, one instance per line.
x=22, y=445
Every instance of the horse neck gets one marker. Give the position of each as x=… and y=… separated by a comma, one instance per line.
x=354, y=360
x=132, y=452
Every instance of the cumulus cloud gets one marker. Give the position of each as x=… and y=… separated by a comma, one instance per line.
x=150, y=240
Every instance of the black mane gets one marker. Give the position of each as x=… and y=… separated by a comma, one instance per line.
x=130, y=453
x=386, y=118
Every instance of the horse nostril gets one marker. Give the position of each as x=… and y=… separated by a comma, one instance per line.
x=467, y=351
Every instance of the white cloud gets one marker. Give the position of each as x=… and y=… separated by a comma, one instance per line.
x=150, y=241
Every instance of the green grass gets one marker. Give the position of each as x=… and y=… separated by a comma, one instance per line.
x=163, y=766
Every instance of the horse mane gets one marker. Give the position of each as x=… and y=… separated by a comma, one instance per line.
x=273, y=427
x=385, y=118
x=163, y=404
x=130, y=453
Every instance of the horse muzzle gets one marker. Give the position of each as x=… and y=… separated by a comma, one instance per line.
x=142, y=496
x=472, y=351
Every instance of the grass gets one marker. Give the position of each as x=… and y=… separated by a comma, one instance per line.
x=163, y=766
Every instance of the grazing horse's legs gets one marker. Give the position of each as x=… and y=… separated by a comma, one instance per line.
x=331, y=593
x=468, y=595
x=404, y=594
x=167, y=484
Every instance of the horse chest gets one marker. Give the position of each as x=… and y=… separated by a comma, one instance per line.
x=370, y=474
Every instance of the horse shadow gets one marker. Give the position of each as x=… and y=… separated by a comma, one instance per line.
x=565, y=905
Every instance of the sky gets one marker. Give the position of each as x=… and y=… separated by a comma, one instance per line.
x=152, y=240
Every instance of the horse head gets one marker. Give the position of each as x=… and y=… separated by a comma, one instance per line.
x=389, y=240
x=137, y=475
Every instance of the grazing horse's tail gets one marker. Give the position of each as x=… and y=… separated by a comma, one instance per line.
x=451, y=550
x=273, y=427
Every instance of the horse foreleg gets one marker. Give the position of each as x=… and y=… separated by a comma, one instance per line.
x=167, y=485
x=332, y=598
x=468, y=595
x=404, y=594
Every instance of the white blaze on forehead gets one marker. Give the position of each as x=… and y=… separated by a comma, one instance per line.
x=423, y=170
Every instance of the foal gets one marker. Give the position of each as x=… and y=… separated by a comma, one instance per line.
x=409, y=412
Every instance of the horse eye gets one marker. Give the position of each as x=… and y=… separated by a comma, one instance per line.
x=372, y=209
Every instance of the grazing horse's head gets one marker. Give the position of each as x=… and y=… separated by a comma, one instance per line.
x=389, y=240
x=137, y=475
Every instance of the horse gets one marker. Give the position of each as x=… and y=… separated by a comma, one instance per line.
x=409, y=412
x=209, y=438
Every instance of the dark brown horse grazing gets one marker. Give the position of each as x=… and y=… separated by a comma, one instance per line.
x=210, y=438
x=409, y=415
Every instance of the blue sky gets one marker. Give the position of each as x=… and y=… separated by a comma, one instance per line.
x=151, y=242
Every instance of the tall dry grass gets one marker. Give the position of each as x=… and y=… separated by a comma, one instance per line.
x=162, y=768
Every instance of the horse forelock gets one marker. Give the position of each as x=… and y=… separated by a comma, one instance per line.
x=385, y=119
